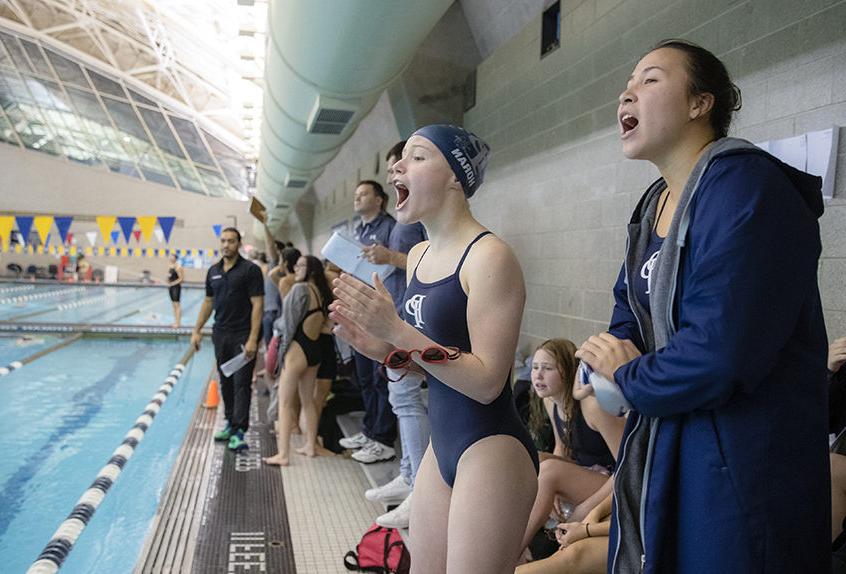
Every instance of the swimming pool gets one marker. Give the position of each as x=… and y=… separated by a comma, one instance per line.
x=64, y=414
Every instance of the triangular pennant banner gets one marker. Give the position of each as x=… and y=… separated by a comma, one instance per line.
x=115, y=235
x=43, y=223
x=6, y=223
x=63, y=225
x=24, y=226
x=91, y=236
x=159, y=234
x=137, y=234
x=147, y=224
x=106, y=222
x=166, y=223
x=216, y=228
x=126, y=225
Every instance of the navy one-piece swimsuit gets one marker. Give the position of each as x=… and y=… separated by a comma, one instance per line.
x=439, y=310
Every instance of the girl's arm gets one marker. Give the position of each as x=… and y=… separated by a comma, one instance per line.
x=496, y=295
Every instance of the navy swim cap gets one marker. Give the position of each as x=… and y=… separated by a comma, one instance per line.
x=466, y=153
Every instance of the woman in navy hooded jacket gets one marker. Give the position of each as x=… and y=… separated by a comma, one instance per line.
x=717, y=340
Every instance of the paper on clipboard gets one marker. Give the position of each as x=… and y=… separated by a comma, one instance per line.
x=345, y=252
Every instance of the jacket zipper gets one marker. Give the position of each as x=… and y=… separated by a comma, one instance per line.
x=616, y=495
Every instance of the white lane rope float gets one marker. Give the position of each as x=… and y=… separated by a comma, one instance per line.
x=17, y=289
x=60, y=545
x=41, y=295
x=13, y=366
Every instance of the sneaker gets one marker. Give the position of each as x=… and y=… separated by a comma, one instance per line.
x=398, y=517
x=374, y=452
x=396, y=490
x=224, y=434
x=237, y=442
x=355, y=441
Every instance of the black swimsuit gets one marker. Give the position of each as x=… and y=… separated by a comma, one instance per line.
x=174, y=290
x=312, y=348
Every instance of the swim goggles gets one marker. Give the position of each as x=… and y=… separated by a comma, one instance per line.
x=401, y=358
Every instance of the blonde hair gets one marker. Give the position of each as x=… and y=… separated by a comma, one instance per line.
x=563, y=351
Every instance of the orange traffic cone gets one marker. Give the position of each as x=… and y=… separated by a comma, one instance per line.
x=212, y=396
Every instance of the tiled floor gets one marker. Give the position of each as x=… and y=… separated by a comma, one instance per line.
x=327, y=511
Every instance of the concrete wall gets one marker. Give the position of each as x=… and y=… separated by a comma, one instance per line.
x=558, y=188
x=34, y=183
x=557, y=160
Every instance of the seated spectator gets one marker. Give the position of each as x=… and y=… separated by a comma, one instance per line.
x=586, y=438
x=837, y=423
x=583, y=545
x=83, y=268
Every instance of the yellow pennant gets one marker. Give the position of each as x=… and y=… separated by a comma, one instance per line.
x=106, y=223
x=6, y=224
x=42, y=224
x=147, y=224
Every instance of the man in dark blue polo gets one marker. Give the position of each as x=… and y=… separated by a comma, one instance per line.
x=376, y=441
x=235, y=291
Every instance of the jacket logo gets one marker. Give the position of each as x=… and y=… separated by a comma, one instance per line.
x=646, y=270
x=414, y=308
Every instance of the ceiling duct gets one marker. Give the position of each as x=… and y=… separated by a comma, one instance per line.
x=327, y=63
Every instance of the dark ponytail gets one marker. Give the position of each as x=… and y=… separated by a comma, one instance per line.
x=709, y=75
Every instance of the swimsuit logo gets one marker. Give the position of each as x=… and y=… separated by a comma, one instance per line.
x=414, y=307
x=646, y=270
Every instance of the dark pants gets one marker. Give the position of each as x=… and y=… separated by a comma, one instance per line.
x=380, y=422
x=267, y=320
x=236, y=390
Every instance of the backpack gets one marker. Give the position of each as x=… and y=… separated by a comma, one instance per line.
x=381, y=551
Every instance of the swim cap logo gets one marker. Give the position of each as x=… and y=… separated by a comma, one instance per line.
x=414, y=308
x=466, y=166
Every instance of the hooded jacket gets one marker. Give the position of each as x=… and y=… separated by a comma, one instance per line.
x=724, y=461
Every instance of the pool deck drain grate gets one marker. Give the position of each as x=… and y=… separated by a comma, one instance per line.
x=222, y=512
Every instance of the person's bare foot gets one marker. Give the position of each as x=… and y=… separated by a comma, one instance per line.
x=295, y=429
x=306, y=450
x=276, y=460
x=320, y=450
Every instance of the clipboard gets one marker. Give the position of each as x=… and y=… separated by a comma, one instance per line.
x=345, y=252
x=258, y=210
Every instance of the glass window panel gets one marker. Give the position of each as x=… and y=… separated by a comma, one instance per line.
x=105, y=85
x=47, y=94
x=216, y=185
x=16, y=52
x=5, y=60
x=161, y=131
x=88, y=106
x=122, y=166
x=191, y=140
x=67, y=70
x=75, y=145
x=234, y=171
x=125, y=118
x=31, y=129
x=7, y=132
x=188, y=181
x=12, y=89
x=37, y=58
x=157, y=176
x=139, y=99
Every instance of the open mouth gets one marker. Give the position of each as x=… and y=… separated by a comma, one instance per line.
x=627, y=123
x=402, y=194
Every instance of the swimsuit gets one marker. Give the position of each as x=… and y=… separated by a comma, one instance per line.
x=174, y=290
x=439, y=310
x=587, y=447
x=312, y=348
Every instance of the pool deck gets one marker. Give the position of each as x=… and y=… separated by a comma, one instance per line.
x=225, y=512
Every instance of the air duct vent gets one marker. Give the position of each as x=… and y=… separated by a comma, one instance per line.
x=295, y=182
x=330, y=116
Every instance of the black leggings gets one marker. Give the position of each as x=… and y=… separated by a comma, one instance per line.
x=237, y=389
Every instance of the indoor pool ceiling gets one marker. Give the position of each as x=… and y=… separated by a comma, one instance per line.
x=181, y=49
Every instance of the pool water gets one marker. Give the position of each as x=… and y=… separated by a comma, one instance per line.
x=97, y=304
x=61, y=418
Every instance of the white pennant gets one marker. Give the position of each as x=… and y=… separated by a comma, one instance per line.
x=92, y=237
x=159, y=234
